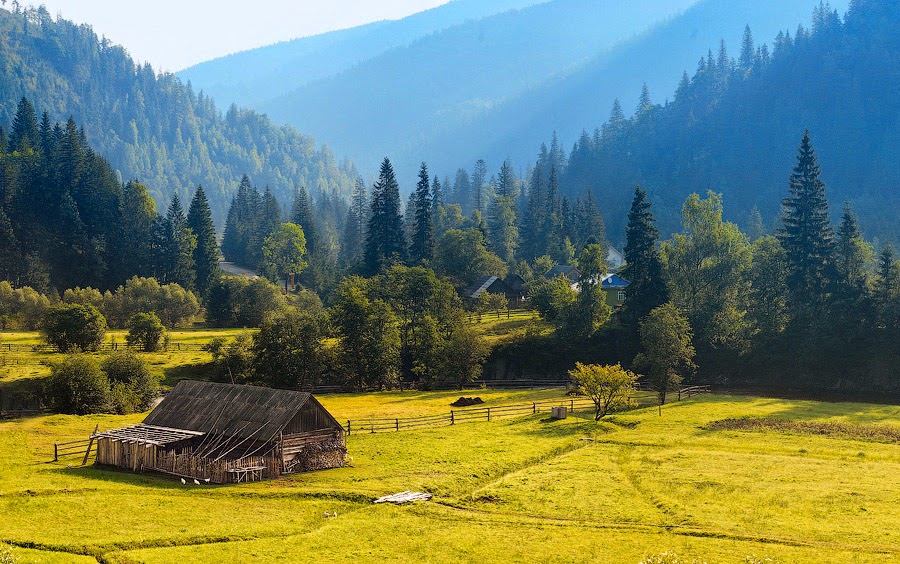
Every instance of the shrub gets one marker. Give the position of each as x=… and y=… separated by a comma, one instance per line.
x=235, y=301
x=609, y=387
x=74, y=327
x=21, y=308
x=233, y=359
x=145, y=330
x=78, y=386
x=133, y=386
x=175, y=306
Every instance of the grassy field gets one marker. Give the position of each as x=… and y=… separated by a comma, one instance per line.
x=521, y=489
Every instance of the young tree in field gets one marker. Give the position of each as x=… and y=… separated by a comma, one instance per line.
x=145, y=331
x=609, y=387
x=283, y=253
x=806, y=234
x=385, y=238
x=206, y=253
x=644, y=269
x=422, y=248
x=71, y=327
x=668, y=353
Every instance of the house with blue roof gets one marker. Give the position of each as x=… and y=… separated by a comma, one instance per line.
x=615, y=287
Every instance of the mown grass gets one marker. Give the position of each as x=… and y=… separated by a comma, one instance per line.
x=494, y=328
x=523, y=489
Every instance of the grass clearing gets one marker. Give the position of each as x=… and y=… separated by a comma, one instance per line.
x=519, y=489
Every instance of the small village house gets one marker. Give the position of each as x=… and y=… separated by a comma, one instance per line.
x=223, y=433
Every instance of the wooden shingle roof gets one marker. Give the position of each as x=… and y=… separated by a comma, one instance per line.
x=240, y=411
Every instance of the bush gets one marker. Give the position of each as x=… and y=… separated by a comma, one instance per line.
x=175, y=306
x=21, y=308
x=133, y=386
x=74, y=327
x=145, y=330
x=233, y=359
x=78, y=386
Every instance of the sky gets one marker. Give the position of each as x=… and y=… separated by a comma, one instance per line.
x=175, y=34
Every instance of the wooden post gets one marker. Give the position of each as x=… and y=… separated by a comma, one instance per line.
x=348, y=427
x=489, y=413
x=397, y=424
x=572, y=406
x=55, y=452
x=87, y=453
x=534, y=407
x=452, y=418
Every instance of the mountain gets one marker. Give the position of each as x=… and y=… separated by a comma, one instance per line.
x=493, y=86
x=154, y=127
x=734, y=127
x=255, y=76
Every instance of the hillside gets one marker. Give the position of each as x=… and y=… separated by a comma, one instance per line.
x=494, y=86
x=734, y=126
x=257, y=75
x=153, y=127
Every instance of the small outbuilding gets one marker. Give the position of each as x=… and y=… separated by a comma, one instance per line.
x=223, y=433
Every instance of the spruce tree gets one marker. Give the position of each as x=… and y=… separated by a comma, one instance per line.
x=887, y=289
x=748, y=51
x=437, y=195
x=806, y=234
x=302, y=215
x=422, y=247
x=506, y=181
x=643, y=268
x=852, y=254
x=206, y=252
x=24, y=134
x=479, y=175
x=462, y=189
x=385, y=237
x=178, y=247
x=355, y=226
x=502, y=229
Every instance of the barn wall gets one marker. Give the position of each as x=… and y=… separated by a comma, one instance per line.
x=313, y=451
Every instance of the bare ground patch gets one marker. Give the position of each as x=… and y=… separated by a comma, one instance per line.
x=874, y=433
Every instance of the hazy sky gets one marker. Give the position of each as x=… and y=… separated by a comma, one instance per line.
x=174, y=34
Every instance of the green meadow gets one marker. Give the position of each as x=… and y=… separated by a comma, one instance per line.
x=633, y=486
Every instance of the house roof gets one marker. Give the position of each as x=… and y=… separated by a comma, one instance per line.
x=485, y=285
x=566, y=270
x=614, y=281
x=515, y=282
x=247, y=412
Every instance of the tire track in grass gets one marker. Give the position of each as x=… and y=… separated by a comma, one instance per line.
x=488, y=517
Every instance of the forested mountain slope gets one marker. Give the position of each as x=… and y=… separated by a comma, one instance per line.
x=258, y=75
x=733, y=126
x=153, y=127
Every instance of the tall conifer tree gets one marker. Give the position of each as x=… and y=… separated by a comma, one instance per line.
x=643, y=266
x=806, y=235
x=385, y=237
x=422, y=247
x=206, y=252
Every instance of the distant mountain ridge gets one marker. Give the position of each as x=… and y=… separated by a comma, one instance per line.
x=494, y=86
x=285, y=66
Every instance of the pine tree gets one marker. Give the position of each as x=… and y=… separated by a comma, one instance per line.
x=748, y=51
x=532, y=218
x=755, y=227
x=269, y=219
x=462, y=189
x=385, y=237
x=138, y=212
x=506, y=181
x=852, y=254
x=178, y=247
x=355, y=227
x=302, y=215
x=24, y=134
x=422, y=247
x=241, y=227
x=437, y=195
x=806, y=235
x=589, y=227
x=479, y=175
x=643, y=268
x=887, y=289
x=554, y=238
x=645, y=103
x=206, y=252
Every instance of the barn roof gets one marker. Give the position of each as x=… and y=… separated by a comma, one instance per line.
x=249, y=412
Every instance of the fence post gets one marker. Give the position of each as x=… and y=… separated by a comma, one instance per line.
x=572, y=406
x=55, y=452
x=348, y=427
x=534, y=407
x=397, y=423
x=452, y=418
x=679, y=394
x=489, y=413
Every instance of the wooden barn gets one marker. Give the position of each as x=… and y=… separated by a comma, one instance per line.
x=222, y=433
